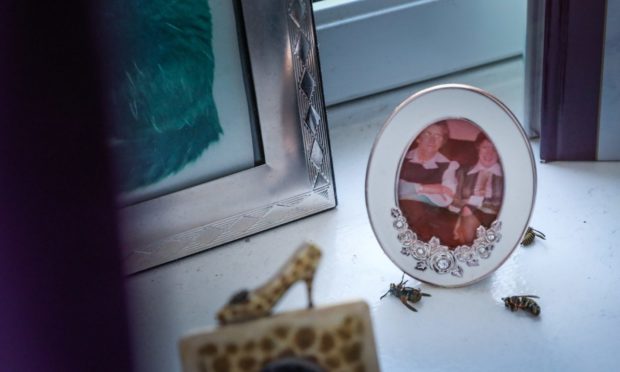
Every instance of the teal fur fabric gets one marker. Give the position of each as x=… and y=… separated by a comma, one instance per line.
x=160, y=68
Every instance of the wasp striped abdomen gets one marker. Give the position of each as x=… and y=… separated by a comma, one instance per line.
x=524, y=303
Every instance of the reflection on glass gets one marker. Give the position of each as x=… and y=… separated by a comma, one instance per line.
x=450, y=182
x=177, y=94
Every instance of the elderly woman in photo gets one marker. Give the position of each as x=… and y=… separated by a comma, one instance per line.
x=479, y=193
x=427, y=185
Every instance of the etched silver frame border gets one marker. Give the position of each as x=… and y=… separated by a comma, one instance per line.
x=296, y=179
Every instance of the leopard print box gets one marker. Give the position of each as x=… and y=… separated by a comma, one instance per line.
x=337, y=338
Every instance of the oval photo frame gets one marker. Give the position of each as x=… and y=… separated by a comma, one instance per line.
x=450, y=185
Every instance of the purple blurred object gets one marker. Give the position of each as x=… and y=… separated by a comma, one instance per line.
x=62, y=305
x=564, y=78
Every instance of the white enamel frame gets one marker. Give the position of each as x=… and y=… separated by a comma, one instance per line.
x=503, y=129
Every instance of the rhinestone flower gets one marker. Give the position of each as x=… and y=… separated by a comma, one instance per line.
x=400, y=223
x=435, y=245
x=484, y=251
x=491, y=236
x=464, y=253
x=442, y=262
x=406, y=238
x=420, y=250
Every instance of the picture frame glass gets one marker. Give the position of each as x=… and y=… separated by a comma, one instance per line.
x=450, y=185
x=450, y=182
x=180, y=94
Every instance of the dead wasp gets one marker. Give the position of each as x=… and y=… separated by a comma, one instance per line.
x=405, y=294
x=530, y=235
x=523, y=302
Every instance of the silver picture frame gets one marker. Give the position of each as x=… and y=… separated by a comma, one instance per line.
x=431, y=260
x=296, y=179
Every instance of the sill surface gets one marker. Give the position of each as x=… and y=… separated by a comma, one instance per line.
x=574, y=271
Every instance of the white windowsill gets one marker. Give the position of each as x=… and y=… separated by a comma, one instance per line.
x=575, y=271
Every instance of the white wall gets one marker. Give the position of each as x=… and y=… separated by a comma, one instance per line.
x=369, y=46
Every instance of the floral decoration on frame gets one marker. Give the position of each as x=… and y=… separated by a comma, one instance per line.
x=449, y=168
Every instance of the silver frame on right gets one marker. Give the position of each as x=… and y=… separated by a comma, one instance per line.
x=430, y=261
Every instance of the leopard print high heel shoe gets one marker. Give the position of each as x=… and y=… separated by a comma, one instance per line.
x=247, y=305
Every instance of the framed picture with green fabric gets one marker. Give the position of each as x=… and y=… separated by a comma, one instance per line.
x=217, y=122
